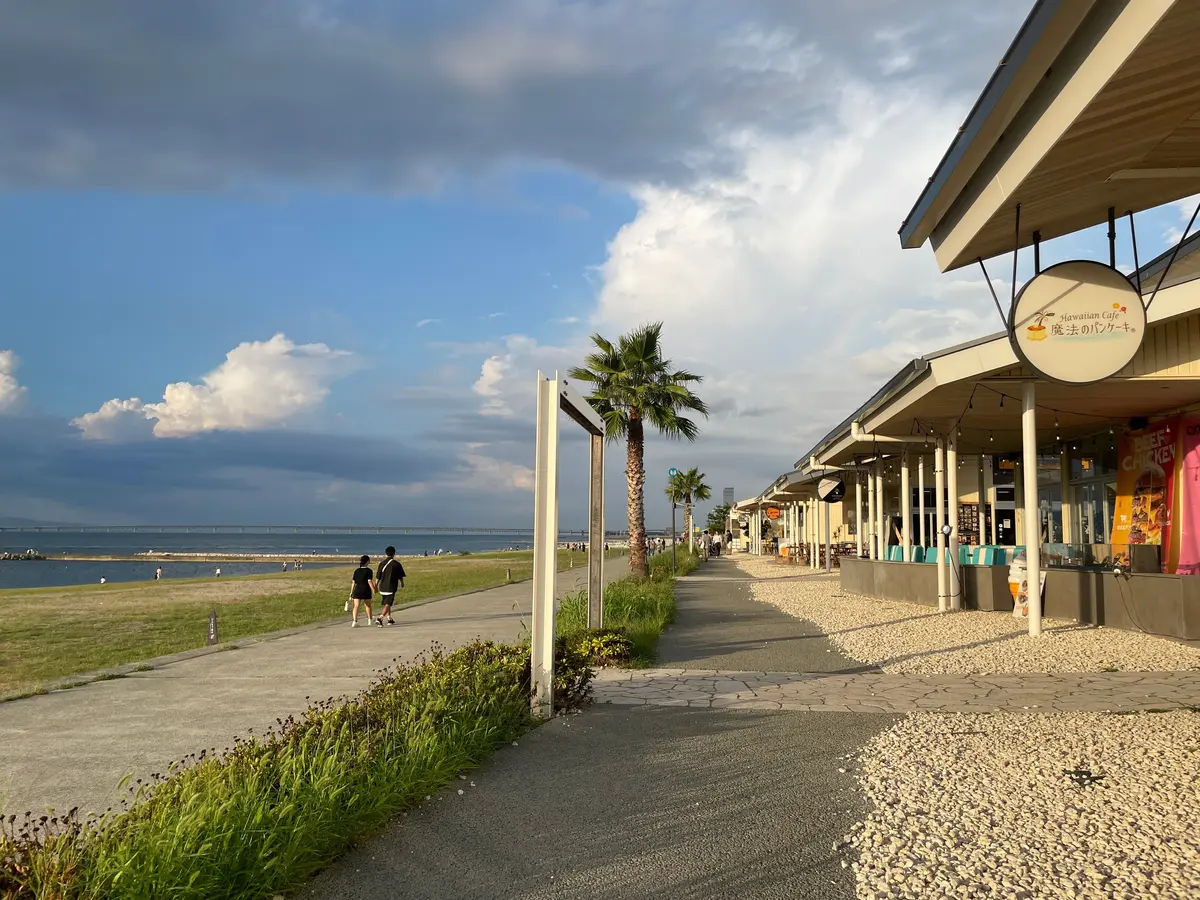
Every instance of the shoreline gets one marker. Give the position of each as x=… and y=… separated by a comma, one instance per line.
x=339, y=558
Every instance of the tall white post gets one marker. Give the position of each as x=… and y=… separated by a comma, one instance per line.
x=905, y=508
x=596, y=534
x=880, y=514
x=921, y=498
x=952, y=518
x=990, y=473
x=813, y=534
x=871, y=545
x=939, y=489
x=858, y=514
x=1033, y=532
x=545, y=547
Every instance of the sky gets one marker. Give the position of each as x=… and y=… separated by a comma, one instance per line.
x=300, y=260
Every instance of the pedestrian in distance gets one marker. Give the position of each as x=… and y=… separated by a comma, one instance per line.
x=158, y=574
x=361, y=590
x=218, y=575
x=388, y=579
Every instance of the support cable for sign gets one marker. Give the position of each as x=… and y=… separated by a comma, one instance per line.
x=1183, y=237
x=992, y=288
x=1016, y=247
x=1137, y=267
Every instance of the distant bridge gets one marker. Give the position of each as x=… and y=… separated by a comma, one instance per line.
x=268, y=529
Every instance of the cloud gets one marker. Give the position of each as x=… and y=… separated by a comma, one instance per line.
x=493, y=315
x=261, y=384
x=11, y=391
x=626, y=90
x=489, y=474
x=423, y=322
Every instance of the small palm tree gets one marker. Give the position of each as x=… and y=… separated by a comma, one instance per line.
x=685, y=488
x=632, y=384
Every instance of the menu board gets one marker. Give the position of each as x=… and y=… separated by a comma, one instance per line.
x=968, y=523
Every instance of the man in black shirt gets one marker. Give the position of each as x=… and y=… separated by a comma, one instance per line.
x=388, y=577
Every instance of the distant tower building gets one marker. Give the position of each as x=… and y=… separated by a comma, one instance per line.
x=728, y=497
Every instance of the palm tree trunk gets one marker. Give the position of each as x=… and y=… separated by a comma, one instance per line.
x=635, y=475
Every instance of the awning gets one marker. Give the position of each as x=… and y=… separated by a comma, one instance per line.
x=1095, y=106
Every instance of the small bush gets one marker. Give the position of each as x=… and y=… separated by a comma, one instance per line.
x=260, y=818
x=603, y=646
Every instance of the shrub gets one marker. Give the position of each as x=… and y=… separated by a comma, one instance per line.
x=603, y=646
x=264, y=815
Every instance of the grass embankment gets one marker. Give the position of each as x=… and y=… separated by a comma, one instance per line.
x=262, y=817
x=639, y=609
x=52, y=633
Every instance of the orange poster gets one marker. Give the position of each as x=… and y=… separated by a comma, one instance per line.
x=1146, y=487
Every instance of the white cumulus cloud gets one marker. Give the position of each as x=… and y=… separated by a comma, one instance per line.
x=261, y=384
x=11, y=391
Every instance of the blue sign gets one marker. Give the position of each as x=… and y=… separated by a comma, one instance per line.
x=673, y=472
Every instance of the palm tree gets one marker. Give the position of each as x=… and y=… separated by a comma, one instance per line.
x=685, y=488
x=632, y=384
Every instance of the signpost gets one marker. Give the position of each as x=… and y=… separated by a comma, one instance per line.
x=213, y=639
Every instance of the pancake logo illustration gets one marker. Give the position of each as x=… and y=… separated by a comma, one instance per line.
x=1037, y=331
x=1149, y=506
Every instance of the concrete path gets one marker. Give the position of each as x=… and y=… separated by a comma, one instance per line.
x=71, y=748
x=874, y=693
x=629, y=802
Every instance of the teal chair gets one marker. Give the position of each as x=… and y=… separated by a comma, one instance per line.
x=964, y=555
x=931, y=555
x=918, y=554
x=896, y=554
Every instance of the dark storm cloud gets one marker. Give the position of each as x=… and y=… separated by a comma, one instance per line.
x=213, y=94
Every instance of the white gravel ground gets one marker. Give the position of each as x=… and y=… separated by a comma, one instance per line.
x=907, y=638
x=977, y=806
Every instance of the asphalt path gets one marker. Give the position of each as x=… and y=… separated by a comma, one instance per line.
x=647, y=802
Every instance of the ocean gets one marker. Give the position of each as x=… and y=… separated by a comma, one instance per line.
x=57, y=573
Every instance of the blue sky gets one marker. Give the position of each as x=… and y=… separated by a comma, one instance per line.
x=301, y=261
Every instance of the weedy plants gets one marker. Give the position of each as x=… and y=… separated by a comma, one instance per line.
x=259, y=818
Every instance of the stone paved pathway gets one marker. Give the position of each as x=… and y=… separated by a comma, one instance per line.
x=876, y=693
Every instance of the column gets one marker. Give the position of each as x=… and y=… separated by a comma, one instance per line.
x=1068, y=500
x=921, y=499
x=858, y=514
x=1033, y=535
x=939, y=506
x=881, y=538
x=952, y=517
x=811, y=512
x=596, y=535
x=870, y=523
x=905, y=508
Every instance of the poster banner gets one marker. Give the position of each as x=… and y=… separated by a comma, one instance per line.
x=1145, y=487
x=1188, y=517
x=1018, y=584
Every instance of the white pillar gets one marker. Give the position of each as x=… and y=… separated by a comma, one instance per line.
x=905, y=508
x=939, y=506
x=952, y=517
x=810, y=516
x=921, y=498
x=545, y=547
x=858, y=513
x=880, y=532
x=870, y=523
x=1033, y=535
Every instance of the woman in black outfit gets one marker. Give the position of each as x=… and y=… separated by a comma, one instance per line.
x=360, y=590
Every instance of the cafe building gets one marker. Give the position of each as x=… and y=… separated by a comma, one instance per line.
x=1068, y=442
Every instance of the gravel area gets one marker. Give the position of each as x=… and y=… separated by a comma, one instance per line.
x=907, y=638
x=766, y=567
x=978, y=806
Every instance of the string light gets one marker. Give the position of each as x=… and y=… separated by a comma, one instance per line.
x=991, y=437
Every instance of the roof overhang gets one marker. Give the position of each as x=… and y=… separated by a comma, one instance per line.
x=1094, y=107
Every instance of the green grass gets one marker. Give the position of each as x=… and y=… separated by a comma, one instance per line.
x=642, y=608
x=264, y=816
x=51, y=633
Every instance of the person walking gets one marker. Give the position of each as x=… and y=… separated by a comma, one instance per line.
x=360, y=590
x=158, y=574
x=388, y=579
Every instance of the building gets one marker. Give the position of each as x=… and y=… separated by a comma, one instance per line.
x=1076, y=429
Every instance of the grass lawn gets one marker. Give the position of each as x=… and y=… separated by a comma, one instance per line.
x=51, y=633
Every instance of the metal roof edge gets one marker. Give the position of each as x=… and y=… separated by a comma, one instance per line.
x=1018, y=51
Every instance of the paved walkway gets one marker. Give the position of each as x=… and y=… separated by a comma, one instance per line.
x=71, y=748
x=875, y=693
x=629, y=802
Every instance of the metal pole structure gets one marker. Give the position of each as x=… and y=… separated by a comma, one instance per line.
x=828, y=541
x=871, y=545
x=952, y=518
x=545, y=547
x=595, y=617
x=990, y=473
x=905, y=508
x=858, y=513
x=1033, y=531
x=921, y=498
x=687, y=517
x=939, y=489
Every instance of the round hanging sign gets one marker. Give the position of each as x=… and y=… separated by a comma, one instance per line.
x=772, y=512
x=1077, y=322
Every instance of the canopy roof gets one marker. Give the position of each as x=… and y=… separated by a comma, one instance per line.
x=977, y=386
x=1094, y=106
